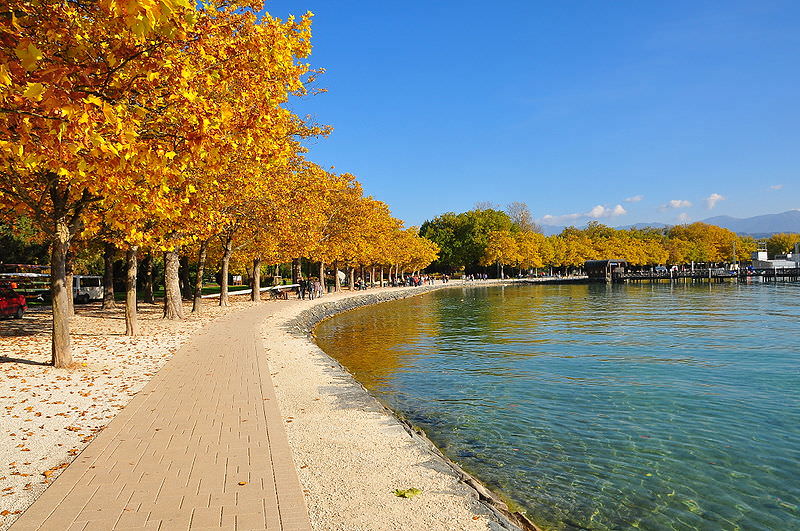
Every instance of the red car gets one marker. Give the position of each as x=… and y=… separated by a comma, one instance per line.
x=12, y=303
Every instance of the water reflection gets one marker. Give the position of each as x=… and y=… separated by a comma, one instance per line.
x=604, y=407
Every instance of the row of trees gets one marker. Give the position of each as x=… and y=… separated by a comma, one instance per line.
x=164, y=126
x=698, y=242
x=487, y=236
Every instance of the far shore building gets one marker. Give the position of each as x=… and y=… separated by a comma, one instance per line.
x=604, y=270
x=790, y=261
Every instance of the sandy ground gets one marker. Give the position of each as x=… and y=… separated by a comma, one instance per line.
x=49, y=415
x=351, y=453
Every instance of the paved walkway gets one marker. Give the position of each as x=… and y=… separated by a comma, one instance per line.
x=202, y=446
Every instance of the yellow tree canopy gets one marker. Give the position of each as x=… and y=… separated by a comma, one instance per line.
x=501, y=248
x=531, y=247
x=72, y=82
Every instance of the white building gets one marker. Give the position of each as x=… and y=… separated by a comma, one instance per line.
x=792, y=260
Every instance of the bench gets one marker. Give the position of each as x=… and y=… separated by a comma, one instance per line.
x=279, y=294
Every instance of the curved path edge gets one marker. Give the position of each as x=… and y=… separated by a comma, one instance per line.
x=299, y=324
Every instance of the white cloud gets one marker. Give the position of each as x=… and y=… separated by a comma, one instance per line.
x=683, y=217
x=776, y=187
x=548, y=219
x=634, y=199
x=599, y=211
x=713, y=199
x=676, y=203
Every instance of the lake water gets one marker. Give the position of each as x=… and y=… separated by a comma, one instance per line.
x=600, y=407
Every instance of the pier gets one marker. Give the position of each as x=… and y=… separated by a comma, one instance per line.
x=709, y=275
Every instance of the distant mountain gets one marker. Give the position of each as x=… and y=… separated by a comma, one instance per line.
x=788, y=221
x=758, y=226
x=552, y=230
x=652, y=225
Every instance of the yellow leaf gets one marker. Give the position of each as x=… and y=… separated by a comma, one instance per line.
x=170, y=155
x=34, y=91
x=192, y=189
x=5, y=78
x=94, y=100
x=29, y=55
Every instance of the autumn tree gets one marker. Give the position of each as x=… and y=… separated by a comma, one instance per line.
x=71, y=76
x=532, y=249
x=782, y=243
x=707, y=243
x=501, y=248
x=462, y=238
x=521, y=216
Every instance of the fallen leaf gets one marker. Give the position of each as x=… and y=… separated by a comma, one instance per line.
x=407, y=493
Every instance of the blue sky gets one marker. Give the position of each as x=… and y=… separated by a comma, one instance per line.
x=624, y=111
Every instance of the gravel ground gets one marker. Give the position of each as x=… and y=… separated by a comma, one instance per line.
x=50, y=415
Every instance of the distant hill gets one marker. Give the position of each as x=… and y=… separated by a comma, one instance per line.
x=767, y=224
x=758, y=226
x=552, y=230
x=652, y=225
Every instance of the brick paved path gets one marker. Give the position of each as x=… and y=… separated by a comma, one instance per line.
x=202, y=446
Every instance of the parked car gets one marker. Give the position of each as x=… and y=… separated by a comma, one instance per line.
x=86, y=288
x=12, y=303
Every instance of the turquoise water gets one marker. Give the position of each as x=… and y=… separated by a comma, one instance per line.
x=601, y=407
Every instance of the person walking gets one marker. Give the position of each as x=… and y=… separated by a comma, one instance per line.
x=303, y=288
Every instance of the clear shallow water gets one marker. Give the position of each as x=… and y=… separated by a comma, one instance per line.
x=601, y=407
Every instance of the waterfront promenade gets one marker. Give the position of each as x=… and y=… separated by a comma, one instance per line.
x=202, y=446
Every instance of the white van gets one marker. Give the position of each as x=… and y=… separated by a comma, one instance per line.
x=86, y=288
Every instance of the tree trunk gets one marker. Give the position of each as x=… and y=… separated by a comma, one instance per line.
x=183, y=275
x=226, y=260
x=337, y=284
x=61, y=295
x=352, y=278
x=108, y=276
x=148, y=278
x=173, y=308
x=381, y=276
x=372, y=277
x=68, y=284
x=131, y=263
x=255, y=295
x=198, y=281
x=296, y=264
x=322, y=275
